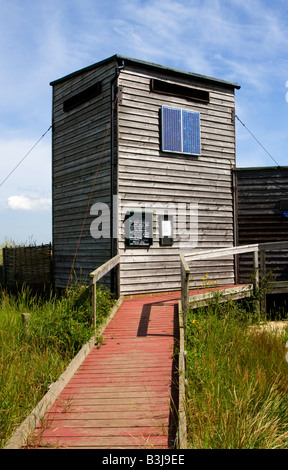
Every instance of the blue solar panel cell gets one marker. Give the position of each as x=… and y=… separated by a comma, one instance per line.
x=171, y=129
x=191, y=132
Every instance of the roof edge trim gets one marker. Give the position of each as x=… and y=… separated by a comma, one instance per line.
x=150, y=66
x=257, y=168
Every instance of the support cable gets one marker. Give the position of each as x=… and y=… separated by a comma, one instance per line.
x=257, y=140
x=1, y=184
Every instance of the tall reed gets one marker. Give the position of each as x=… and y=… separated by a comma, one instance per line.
x=33, y=356
x=237, y=381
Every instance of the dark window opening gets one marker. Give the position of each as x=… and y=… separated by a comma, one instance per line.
x=284, y=208
x=82, y=97
x=166, y=88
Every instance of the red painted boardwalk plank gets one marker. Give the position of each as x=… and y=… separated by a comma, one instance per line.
x=122, y=394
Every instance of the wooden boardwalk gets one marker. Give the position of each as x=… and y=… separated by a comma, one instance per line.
x=125, y=393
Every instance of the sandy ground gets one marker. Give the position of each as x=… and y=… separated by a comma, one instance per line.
x=272, y=326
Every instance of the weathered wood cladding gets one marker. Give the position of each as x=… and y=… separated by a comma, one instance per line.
x=78, y=144
x=144, y=176
x=147, y=177
x=260, y=217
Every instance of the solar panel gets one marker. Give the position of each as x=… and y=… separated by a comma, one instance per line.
x=180, y=131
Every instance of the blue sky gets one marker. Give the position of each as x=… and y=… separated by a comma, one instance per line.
x=244, y=42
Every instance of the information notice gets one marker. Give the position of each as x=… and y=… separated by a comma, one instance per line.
x=139, y=229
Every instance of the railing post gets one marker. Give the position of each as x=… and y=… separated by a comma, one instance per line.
x=95, y=276
x=256, y=277
x=263, y=262
x=4, y=266
x=256, y=270
x=263, y=273
x=94, y=304
x=185, y=278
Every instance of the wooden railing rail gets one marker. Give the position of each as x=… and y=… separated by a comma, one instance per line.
x=95, y=276
x=270, y=246
x=235, y=250
x=221, y=252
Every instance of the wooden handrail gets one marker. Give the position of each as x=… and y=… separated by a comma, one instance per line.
x=255, y=248
x=235, y=250
x=270, y=246
x=95, y=276
x=221, y=252
x=104, y=269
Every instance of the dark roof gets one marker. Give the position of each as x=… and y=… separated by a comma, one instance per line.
x=119, y=59
x=261, y=168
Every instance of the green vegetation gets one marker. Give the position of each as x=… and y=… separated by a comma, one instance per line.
x=35, y=355
x=237, y=379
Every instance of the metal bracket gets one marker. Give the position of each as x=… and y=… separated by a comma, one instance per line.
x=120, y=95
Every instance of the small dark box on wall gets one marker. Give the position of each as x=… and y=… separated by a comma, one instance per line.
x=166, y=230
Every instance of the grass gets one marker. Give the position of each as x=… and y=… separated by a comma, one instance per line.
x=33, y=357
x=237, y=380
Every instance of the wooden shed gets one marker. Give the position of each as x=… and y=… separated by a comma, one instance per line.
x=262, y=216
x=142, y=166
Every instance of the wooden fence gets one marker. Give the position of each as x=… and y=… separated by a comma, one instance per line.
x=259, y=269
x=28, y=265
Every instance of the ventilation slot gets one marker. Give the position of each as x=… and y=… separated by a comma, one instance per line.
x=82, y=97
x=172, y=89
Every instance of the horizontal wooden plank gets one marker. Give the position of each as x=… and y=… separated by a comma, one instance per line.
x=132, y=96
x=138, y=73
x=82, y=431
x=108, y=442
x=138, y=78
x=205, y=164
x=68, y=87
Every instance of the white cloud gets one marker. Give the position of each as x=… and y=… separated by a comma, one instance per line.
x=219, y=38
x=24, y=203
